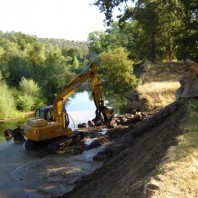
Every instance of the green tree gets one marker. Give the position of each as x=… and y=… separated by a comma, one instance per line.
x=163, y=28
x=96, y=41
x=118, y=70
x=29, y=93
x=35, y=53
x=74, y=57
x=75, y=63
x=55, y=74
x=187, y=34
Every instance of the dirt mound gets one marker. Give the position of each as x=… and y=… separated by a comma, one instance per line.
x=127, y=174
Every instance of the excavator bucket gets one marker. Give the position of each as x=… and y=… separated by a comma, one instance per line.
x=189, y=80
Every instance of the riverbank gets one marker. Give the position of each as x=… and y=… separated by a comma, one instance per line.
x=21, y=115
x=153, y=164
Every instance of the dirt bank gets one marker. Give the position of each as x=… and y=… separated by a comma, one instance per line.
x=128, y=173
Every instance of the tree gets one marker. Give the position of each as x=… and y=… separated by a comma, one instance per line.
x=55, y=73
x=96, y=41
x=35, y=54
x=118, y=70
x=165, y=28
x=187, y=35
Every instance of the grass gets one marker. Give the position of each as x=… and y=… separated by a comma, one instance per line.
x=160, y=82
x=157, y=94
x=178, y=174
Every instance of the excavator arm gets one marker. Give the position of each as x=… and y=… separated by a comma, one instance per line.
x=90, y=73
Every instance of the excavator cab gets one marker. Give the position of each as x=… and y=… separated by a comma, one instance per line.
x=45, y=112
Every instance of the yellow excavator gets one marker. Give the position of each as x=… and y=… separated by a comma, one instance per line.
x=50, y=124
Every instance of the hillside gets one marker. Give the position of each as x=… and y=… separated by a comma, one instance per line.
x=160, y=163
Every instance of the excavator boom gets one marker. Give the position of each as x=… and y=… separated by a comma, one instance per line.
x=89, y=73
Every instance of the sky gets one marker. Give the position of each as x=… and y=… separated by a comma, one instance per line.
x=67, y=19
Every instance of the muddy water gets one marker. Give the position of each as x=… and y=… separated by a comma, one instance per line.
x=36, y=174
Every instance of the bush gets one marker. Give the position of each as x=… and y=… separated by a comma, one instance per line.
x=29, y=87
x=29, y=92
x=26, y=102
x=7, y=103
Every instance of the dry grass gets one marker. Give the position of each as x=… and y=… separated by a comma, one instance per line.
x=178, y=176
x=160, y=82
x=157, y=94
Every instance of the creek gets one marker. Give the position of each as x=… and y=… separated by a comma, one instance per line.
x=36, y=174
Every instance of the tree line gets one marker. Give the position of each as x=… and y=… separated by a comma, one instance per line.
x=32, y=72
x=155, y=29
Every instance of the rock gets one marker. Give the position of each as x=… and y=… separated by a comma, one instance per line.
x=94, y=144
x=113, y=123
x=8, y=133
x=82, y=125
x=153, y=185
x=91, y=123
x=18, y=134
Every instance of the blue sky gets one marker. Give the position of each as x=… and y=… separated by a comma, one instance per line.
x=68, y=19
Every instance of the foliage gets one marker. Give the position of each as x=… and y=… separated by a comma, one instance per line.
x=187, y=42
x=161, y=29
x=63, y=44
x=118, y=70
x=192, y=105
x=29, y=87
x=7, y=102
x=96, y=41
x=28, y=95
x=26, y=102
x=55, y=73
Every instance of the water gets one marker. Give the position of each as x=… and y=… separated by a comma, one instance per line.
x=80, y=109
x=36, y=174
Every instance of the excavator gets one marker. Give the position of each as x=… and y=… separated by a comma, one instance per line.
x=51, y=123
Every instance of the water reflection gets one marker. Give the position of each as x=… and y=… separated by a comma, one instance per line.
x=11, y=124
x=80, y=109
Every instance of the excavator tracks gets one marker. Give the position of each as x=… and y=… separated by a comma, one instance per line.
x=30, y=145
x=58, y=145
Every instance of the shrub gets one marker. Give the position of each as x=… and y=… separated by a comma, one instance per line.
x=7, y=103
x=29, y=92
x=26, y=102
x=29, y=87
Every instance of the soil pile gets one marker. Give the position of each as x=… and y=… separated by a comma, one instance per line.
x=128, y=173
